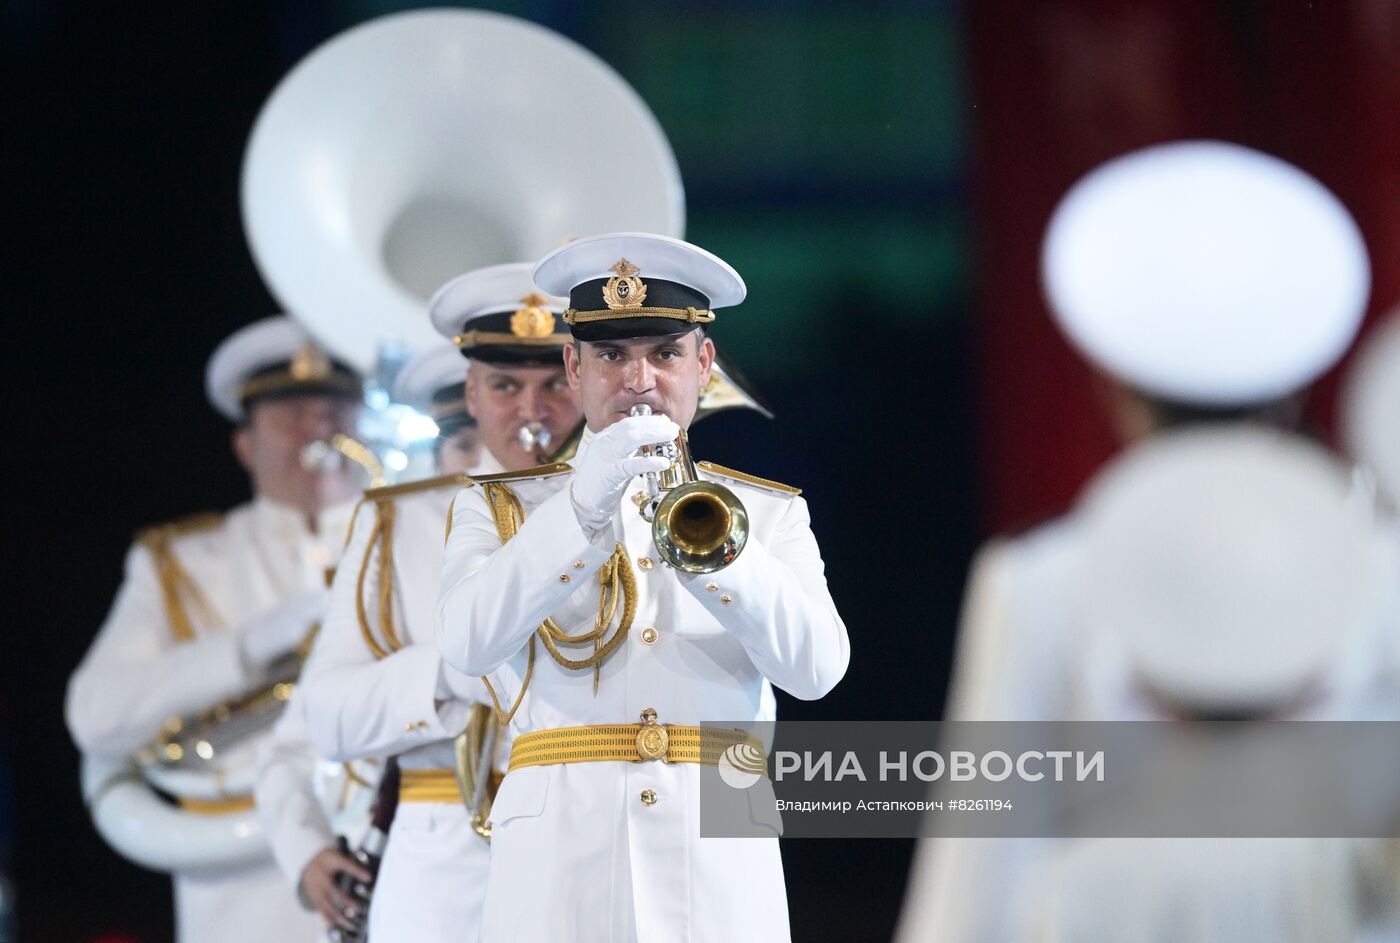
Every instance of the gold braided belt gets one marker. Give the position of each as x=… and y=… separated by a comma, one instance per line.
x=434, y=785
x=627, y=743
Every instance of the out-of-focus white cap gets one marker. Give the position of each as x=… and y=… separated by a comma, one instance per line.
x=1371, y=406
x=1206, y=273
x=1231, y=563
x=272, y=357
x=432, y=378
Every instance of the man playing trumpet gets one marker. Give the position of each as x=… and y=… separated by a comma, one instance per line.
x=554, y=589
x=376, y=686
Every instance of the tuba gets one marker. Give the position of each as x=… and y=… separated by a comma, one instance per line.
x=176, y=805
x=697, y=526
x=421, y=145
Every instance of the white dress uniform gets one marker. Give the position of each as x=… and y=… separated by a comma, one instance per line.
x=138, y=673
x=305, y=803
x=296, y=816
x=1025, y=654
x=1204, y=890
x=376, y=685
x=205, y=607
x=296, y=823
x=611, y=851
x=1201, y=304
x=361, y=703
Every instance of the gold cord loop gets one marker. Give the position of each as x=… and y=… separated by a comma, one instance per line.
x=616, y=580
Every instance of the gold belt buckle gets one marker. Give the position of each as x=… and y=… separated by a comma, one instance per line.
x=653, y=741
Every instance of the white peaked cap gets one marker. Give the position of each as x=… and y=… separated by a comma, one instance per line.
x=1206, y=273
x=1231, y=563
x=494, y=289
x=1370, y=405
x=435, y=369
x=664, y=257
x=243, y=353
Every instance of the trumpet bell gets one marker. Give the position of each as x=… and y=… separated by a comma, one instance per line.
x=424, y=144
x=700, y=527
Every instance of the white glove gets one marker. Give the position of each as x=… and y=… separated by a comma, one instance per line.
x=609, y=464
x=274, y=633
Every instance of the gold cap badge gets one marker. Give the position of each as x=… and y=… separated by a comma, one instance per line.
x=533, y=320
x=624, y=289
x=310, y=363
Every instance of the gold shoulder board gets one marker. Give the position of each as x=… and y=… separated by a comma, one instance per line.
x=193, y=524
x=457, y=479
x=179, y=592
x=722, y=472
x=539, y=471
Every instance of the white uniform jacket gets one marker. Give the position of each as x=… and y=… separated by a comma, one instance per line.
x=1024, y=656
x=151, y=661
x=362, y=702
x=576, y=853
x=304, y=801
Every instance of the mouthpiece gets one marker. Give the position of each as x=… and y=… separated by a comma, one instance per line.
x=320, y=456
x=534, y=437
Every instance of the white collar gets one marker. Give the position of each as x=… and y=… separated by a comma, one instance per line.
x=583, y=442
x=488, y=465
x=331, y=521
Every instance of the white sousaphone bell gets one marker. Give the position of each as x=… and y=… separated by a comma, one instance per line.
x=422, y=145
x=395, y=156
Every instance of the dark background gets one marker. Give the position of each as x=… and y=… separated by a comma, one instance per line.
x=879, y=172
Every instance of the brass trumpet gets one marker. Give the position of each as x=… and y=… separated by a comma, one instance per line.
x=697, y=526
x=329, y=455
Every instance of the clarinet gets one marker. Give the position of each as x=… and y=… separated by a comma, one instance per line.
x=369, y=854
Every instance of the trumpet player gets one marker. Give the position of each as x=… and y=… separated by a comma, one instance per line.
x=434, y=383
x=302, y=808
x=212, y=606
x=555, y=590
x=376, y=685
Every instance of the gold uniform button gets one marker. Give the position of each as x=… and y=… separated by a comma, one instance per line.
x=650, y=635
x=408, y=728
x=648, y=797
x=578, y=564
x=564, y=577
x=726, y=599
x=646, y=563
x=712, y=587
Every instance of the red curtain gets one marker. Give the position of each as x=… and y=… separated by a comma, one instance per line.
x=1061, y=86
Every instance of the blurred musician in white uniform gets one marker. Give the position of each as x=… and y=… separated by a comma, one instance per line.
x=435, y=383
x=1370, y=410
x=1208, y=285
x=215, y=607
x=299, y=796
x=376, y=685
x=1227, y=573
